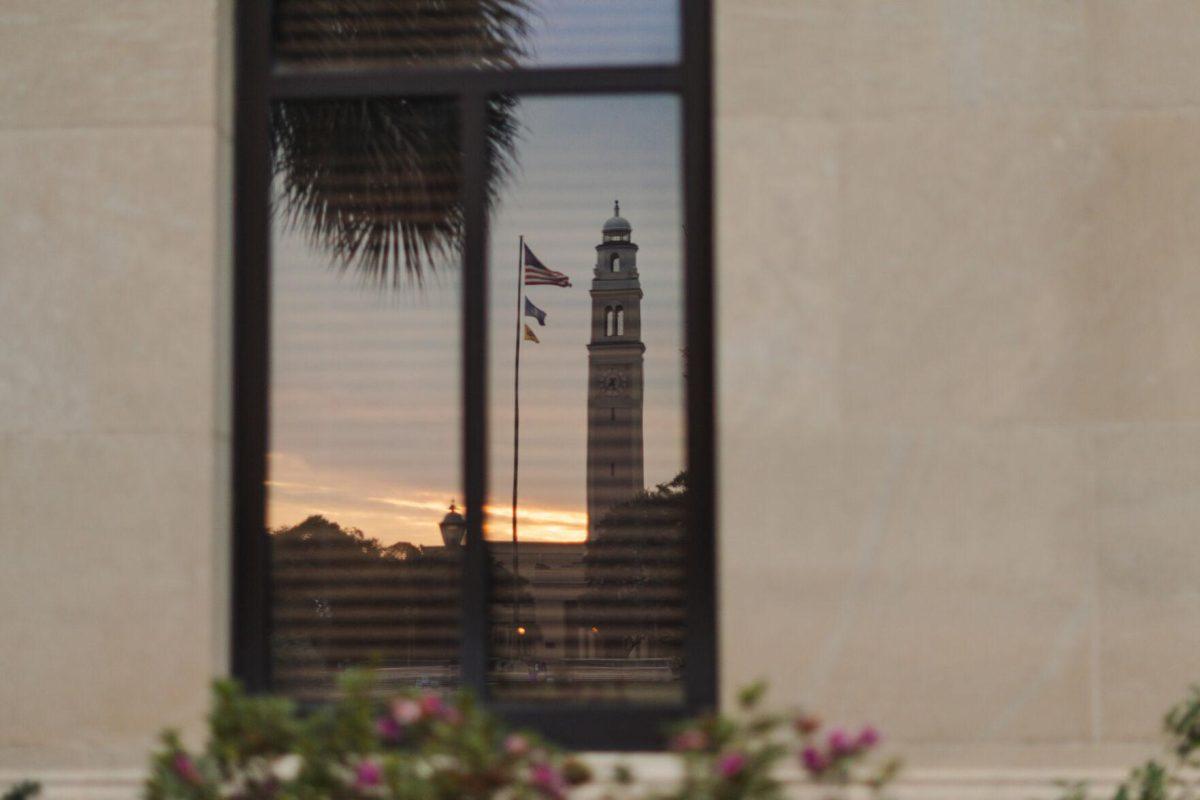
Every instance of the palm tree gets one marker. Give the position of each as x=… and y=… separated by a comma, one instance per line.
x=375, y=181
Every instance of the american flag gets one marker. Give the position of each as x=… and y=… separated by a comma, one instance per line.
x=538, y=274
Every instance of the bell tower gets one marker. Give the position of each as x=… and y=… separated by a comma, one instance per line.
x=615, y=356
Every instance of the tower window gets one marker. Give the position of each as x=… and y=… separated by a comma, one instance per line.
x=614, y=263
x=620, y=325
x=610, y=325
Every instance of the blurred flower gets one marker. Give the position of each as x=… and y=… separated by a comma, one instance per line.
x=516, y=745
x=814, y=761
x=287, y=768
x=731, y=765
x=388, y=729
x=807, y=724
x=868, y=737
x=689, y=740
x=185, y=768
x=367, y=775
x=406, y=711
x=840, y=743
x=432, y=705
x=547, y=780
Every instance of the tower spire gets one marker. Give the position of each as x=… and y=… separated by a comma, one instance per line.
x=616, y=208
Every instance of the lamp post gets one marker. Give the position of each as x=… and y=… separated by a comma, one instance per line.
x=453, y=527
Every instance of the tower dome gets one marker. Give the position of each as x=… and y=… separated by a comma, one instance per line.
x=616, y=227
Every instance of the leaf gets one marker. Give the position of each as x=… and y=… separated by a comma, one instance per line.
x=22, y=791
x=751, y=695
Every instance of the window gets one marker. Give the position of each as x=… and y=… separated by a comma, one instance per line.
x=414, y=487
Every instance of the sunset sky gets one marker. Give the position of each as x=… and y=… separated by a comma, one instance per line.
x=365, y=406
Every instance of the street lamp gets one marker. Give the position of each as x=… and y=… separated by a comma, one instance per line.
x=453, y=527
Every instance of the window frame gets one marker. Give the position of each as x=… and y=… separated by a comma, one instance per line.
x=261, y=81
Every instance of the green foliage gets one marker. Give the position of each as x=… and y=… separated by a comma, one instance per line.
x=427, y=746
x=1182, y=726
x=22, y=791
x=1154, y=780
x=419, y=746
x=738, y=757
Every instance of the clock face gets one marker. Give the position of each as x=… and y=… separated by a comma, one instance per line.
x=613, y=382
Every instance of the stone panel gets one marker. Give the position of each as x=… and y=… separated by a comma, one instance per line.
x=778, y=306
x=108, y=245
x=1143, y=53
x=108, y=562
x=1148, y=505
x=83, y=63
x=936, y=582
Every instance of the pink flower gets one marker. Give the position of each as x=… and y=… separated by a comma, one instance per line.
x=516, y=745
x=406, y=711
x=432, y=706
x=388, y=729
x=367, y=775
x=731, y=765
x=549, y=781
x=840, y=744
x=185, y=768
x=814, y=761
x=689, y=740
x=868, y=737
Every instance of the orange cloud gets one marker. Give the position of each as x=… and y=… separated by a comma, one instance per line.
x=296, y=491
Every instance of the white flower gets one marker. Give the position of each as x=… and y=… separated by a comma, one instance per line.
x=287, y=768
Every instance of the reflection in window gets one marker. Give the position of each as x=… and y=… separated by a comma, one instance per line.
x=498, y=34
x=593, y=557
x=365, y=538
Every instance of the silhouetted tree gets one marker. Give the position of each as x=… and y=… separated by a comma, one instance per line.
x=634, y=567
x=341, y=598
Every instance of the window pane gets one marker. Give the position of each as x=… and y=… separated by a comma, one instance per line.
x=364, y=398
x=491, y=33
x=588, y=590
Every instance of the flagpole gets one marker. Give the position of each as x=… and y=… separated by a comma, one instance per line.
x=516, y=437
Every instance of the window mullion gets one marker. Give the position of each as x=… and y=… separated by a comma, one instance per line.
x=251, y=607
x=700, y=645
x=475, y=574
x=290, y=82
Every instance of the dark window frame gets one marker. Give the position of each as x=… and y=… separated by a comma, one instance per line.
x=259, y=82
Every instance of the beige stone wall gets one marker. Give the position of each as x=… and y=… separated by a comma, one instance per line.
x=114, y=427
x=960, y=428
x=959, y=431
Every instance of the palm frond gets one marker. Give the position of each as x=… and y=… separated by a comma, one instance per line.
x=376, y=182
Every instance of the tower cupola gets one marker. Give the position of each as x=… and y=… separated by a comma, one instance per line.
x=616, y=255
x=616, y=228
